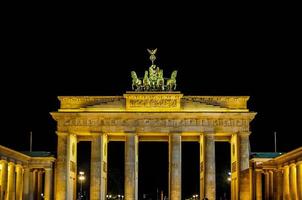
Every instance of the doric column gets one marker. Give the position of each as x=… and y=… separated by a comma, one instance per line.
x=271, y=184
x=66, y=166
x=26, y=183
x=278, y=185
x=202, y=165
x=39, y=185
x=11, y=186
x=131, y=167
x=98, y=171
x=286, y=193
x=258, y=185
x=3, y=183
x=299, y=179
x=266, y=186
x=33, y=184
x=293, y=181
x=175, y=166
x=244, y=151
x=210, y=178
x=19, y=182
x=235, y=168
x=48, y=184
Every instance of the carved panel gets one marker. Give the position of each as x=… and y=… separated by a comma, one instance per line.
x=153, y=101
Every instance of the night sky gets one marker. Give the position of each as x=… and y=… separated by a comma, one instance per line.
x=261, y=64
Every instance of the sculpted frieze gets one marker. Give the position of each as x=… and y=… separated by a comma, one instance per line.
x=155, y=122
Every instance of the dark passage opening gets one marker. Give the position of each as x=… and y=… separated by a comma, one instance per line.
x=83, y=165
x=153, y=170
x=223, y=167
x=190, y=169
x=116, y=168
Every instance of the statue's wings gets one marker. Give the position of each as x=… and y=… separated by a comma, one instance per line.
x=152, y=52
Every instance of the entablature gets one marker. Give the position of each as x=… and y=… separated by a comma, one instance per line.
x=153, y=101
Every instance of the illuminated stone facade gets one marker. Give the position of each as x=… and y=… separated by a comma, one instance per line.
x=150, y=116
x=278, y=178
x=22, y=177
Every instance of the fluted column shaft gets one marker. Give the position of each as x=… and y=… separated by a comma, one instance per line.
x=98, y=172
x=26, y=183
x=271, y=184
x=258, y=185
x=11, y=186
x=66, y=167
x=33, y=184
x=3, y=183
x=286, y=192
x=266, y=186
x=131, y=167
x=39, y=185
x=244, y=151
x=19, y=182
x=175, y=166
x=293, y=181
x=278, y=185
x=299, y=179
x=210, y=178
x=48, y=184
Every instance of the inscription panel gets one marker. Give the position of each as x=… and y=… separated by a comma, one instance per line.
x=153, y=101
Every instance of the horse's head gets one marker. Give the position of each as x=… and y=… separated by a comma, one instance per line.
x=161, y=73
x=174, y=74
x=133, y=75
x=146, y=74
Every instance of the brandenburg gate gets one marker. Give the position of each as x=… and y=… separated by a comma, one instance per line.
x=154, y=111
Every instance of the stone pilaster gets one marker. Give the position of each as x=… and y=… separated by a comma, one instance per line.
x=210, y=178
x=293, y=181
x=244, y=151
x=202, y=165
x=271, y=184
x=235, y=168
x=39, y=185
x=266, y=186
x=26, y=183
x=175, y=166
x=19, y=182
x=66, y=167
x=278, y=184
x=3, y=183
x=11, y=185
x=48, y=184
x=286, y=191
x=98, y=171
x=32, y=184
x=131, y=167
x=61, y=168
x=299, y=179
x=258, y=185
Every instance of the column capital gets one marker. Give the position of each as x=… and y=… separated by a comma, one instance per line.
x=97, y=133
x=285, y=166
x=48, y=169
x=60, y=133
x=18, y=166
x=3, y=161
x=299, y=163
x=10, y=163
x=244, y=133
